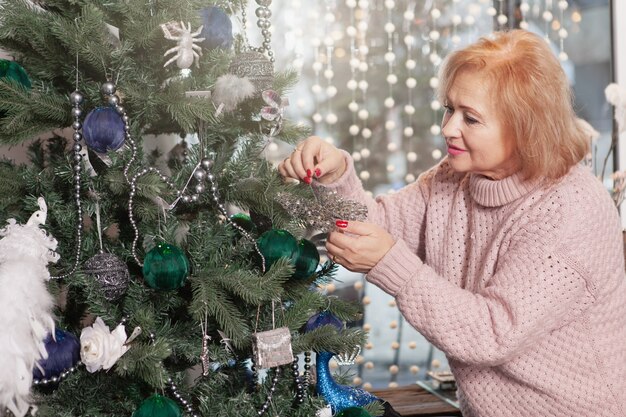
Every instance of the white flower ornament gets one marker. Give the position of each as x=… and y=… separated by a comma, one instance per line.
x=100, y=348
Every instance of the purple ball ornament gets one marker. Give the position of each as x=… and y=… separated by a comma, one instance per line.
x=63, y=355
x=322, y=319
x=217, y=29
x=104, y=130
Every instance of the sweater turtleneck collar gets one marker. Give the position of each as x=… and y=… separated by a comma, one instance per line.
x=494, y=193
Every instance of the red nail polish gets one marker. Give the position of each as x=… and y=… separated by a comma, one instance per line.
x=307, y=180
x=341, y=223
x=318, y=172
x=308, y=172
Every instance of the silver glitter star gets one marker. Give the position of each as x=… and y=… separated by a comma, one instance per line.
x=322, y=212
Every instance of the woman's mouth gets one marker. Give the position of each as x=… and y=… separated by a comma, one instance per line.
x=454, y=151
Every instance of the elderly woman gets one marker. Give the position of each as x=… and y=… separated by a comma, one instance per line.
x=507, y=255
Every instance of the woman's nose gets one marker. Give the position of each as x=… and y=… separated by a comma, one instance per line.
x=450, y=126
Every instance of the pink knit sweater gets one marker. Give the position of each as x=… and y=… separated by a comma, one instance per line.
x=522, y=286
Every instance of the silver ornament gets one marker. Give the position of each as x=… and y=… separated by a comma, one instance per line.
x=199, y=174
x=111, y=272
x=256, y=67
x=76, y=98
x=108, y=88
x=207, y=163
x=264, y=3
x=114, y=100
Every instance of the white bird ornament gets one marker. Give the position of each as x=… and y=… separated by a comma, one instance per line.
x=26, y=313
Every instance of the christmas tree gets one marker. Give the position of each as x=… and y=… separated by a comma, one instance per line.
x=173, y=302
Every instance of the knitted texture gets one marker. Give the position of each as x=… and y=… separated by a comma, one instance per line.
x=521, y=285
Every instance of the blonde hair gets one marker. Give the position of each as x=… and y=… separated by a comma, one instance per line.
x=531, y=92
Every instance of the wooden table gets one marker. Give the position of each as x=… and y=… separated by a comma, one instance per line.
x=414, y=401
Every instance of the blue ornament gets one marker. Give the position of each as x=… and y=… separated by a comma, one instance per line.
x=339, y=397
x=322, y=319
x=63, y=354
x=103, y=130
x=217, y=29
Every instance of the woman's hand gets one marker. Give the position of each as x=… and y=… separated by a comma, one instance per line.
x=358, y=246
x=314, y=157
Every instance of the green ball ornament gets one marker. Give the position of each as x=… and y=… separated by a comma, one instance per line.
x=165, y=267
x=275, y=244
x=244, y=221
x=13, y=71
x=353, y=412
x=307, y=259
x=158, y=406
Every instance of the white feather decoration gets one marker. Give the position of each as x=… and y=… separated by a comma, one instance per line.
x=26, y=313
x=230, y=91
x=616, y=96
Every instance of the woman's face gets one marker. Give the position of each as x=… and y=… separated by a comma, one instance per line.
x=476, y=138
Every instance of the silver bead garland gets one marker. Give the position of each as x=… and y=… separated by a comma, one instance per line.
x=266, y=404
x=306, y=378
x=299, y=382
x=200, y=173
x=76, y=99
x=263, y=14
x=186, y=404
x=56, y=379
x=208, y=164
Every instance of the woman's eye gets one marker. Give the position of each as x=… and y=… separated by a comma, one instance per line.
x=449, y=109
x=470, y=120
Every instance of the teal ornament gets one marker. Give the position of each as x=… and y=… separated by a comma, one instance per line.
x=275, y=244
x=353, y=412
x=307, y=259
x=166, y=267
x=244, y=221
x=11, y=70
x=104, y=130
x=339, y=397
x=158, y=406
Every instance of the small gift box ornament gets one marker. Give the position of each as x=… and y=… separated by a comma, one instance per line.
x=272, y=348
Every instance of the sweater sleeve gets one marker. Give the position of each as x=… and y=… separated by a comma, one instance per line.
x=401, y=213
x=534, y=290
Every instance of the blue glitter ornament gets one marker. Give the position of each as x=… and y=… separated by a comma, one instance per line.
x=322, y=319
x=339, y=397
x=103, y=130
x=217, y=29
x=63, y=354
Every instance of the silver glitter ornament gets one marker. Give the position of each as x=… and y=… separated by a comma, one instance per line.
x=322, y=212
x=110, y=272
x=256, y=67
x=272, y=348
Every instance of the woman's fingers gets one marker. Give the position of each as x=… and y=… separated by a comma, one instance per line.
x=313, y=158
x=286, y=169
